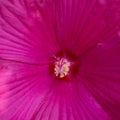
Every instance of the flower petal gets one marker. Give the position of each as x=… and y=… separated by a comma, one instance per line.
x=101, y=73
x=22, y=89
x=82, y=23
x=70, y=101
x=25, y=37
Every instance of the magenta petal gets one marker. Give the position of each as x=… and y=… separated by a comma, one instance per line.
x=101, y=71
x=70, y=102
x=24, y=38
x=82, y=23
x=82, y=105
x=22, y=90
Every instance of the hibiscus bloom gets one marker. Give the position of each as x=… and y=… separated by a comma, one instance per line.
x=59, y=60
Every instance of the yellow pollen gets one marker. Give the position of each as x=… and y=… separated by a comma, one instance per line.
x=62, y=67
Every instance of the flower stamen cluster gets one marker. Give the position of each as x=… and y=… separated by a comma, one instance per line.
x=62, y=67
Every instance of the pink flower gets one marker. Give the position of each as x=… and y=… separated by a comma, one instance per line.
x=60, y=60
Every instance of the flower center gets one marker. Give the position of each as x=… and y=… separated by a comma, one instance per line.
x=62, y=67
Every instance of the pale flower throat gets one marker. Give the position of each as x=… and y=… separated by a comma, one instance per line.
x=62, y=67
